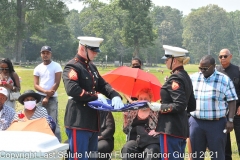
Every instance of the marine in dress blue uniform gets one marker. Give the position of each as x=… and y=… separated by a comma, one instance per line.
x=82, y=82
x=177, y=100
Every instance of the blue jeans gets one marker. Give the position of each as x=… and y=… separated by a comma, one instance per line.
x=52, y=110
x=82, y=144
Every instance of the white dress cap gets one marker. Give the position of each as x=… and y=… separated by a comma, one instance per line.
x=4, y=91
x=90, y=41
x=174, y=51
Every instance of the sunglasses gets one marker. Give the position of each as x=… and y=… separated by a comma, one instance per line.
x=4, y=69
x=225, y=56
x=204, y=68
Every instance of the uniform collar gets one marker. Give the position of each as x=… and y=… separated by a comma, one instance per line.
x=178, y=68
x=227, y=66
x=81, y=59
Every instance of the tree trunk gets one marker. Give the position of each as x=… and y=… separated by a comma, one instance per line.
x=136, y=51
x=209, y=43
x=20, y=28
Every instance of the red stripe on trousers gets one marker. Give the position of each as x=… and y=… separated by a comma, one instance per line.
x=165, y=146
x=74, y=132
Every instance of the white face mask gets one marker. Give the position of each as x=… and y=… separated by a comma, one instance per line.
x=29, y=105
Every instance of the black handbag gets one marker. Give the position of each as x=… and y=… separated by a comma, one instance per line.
x=143, y=139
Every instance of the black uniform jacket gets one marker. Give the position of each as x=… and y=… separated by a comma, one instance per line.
x=177, y=100
x=82, y=81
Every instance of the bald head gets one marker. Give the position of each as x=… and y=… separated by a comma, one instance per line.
x=225, y=51
x=225, y=57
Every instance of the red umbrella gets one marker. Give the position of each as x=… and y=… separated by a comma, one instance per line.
x=130, y=80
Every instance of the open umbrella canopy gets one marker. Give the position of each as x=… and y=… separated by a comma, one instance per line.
x=130, y=80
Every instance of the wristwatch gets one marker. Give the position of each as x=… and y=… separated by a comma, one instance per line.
x=230, y=120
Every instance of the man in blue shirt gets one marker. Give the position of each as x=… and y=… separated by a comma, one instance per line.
x=215, y=94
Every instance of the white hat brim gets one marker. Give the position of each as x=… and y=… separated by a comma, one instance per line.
x=90, y=41
x=174, y=51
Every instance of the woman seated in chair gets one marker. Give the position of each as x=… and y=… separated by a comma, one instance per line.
x=139, y=125
x=31, y=111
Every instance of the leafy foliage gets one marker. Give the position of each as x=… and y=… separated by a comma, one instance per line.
x=30, y=16
x=129, y=28
x=137, y=29
x=234, y=25
x=75, y=23
x=205, y=32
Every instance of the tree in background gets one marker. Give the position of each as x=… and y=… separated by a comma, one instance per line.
x=30, y=16
x=167, y=23
x=58, y=37
x=137, y=30
x=106, y=21
x=75, y=23
x=129, y=28
x=234, y=24
x=205, y=31
x=8, y=22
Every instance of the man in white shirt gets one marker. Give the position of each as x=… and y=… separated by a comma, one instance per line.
x=47, y=77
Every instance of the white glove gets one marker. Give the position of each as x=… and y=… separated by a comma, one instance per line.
x=154, y=106
x=117, y=102
x=102, y=99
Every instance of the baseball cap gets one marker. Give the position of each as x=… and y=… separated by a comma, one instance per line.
x=3, y=91
x=46, y=48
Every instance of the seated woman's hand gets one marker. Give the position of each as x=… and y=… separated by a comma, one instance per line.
x=153, y=133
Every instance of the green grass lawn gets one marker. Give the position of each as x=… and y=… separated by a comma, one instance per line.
x=26, y=75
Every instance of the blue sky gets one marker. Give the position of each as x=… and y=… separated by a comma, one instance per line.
x=183, y=5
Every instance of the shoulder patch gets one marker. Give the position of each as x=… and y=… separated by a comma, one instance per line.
x=175, y=85
x=72, y=75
